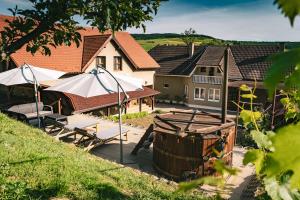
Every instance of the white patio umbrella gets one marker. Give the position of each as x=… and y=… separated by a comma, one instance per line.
x=100, y=82
x=29, y=74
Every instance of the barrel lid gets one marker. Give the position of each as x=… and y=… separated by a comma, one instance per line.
x=196, y=122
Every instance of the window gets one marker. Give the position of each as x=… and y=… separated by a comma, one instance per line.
x=166, y=85
x=199, y=93
x=217, y=95
x=118, y=63
x=202, y=69
x=101, y=61
x=214, y=94
x=186, y=91
x=211, y=71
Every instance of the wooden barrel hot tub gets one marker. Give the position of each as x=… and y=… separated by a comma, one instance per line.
x=184, y=142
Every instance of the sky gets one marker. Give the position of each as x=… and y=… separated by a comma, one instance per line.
x=257, y=20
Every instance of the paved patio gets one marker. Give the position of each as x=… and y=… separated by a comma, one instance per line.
x=237, y=185
x=111, y=151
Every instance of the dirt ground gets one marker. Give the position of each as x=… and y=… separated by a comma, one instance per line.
x=144, y=122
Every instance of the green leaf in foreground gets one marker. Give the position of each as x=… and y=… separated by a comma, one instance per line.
x=282, y=65
x=249, y=96
x=245, y=88
x=256, y=157
x=290, y=8
x=209, y=180
x=248, y=116
x=287, y=155
x=262, y=140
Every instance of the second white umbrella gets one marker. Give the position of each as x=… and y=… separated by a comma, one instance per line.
x=100, y=82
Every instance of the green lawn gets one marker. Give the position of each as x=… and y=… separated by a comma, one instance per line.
x=35, y=166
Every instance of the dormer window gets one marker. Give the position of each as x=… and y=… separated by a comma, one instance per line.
x=118, y=63
x=101, y=61
x=211, y=71
x=202, y=69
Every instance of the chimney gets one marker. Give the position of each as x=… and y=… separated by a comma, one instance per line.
x=281, y=46
x=191, y=49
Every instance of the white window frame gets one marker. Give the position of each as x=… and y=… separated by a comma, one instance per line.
x=214, y=95
x=165, y=86
x=186, y=91
x=118, y=63
x=199, y=88
x=101, y=61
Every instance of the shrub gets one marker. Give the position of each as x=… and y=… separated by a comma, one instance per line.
x=178, y=98
x=138, y=115
x=158, y=111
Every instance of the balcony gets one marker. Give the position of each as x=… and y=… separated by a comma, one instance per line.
x=215, y=80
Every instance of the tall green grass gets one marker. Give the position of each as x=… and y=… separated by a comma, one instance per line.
x=35, y=166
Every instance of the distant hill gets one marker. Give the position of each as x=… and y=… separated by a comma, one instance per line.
x=148, y=41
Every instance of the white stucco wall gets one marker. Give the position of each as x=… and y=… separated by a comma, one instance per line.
x=109, y=51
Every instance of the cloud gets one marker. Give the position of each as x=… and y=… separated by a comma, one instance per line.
x=243, y=22
x=18, y=2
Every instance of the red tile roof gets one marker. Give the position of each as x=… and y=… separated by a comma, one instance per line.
x=91, y=46
x=135, y=52
x=3, y=23
x=81, y=104
x=73, y=59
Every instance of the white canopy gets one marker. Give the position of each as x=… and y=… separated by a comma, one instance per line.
x=100, y=82
x=95, y=83
x=26, y=73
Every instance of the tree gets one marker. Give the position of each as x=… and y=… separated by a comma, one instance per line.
x=52, y=23
x=189, y=36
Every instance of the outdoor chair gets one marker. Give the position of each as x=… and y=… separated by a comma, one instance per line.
x=92, y=139
x=27, y=112
x=67, y=130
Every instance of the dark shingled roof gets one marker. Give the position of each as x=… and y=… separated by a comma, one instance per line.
x=251, y=59
x=212, y=56
x=175, y=60
x=247, y=62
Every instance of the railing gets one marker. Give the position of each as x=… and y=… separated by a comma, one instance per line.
x=217, y=80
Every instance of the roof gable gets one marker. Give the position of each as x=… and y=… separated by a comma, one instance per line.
x=175, y=60
x=92, y=45
x=212, y=56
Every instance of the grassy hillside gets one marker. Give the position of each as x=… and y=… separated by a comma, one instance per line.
x=148, y=41
x=35, y=166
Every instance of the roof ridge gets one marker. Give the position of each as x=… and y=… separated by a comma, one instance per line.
x=99, y=35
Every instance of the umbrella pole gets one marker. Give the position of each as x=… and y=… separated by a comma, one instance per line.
x=35, y=82
x=36, y=103
x=120, y=125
